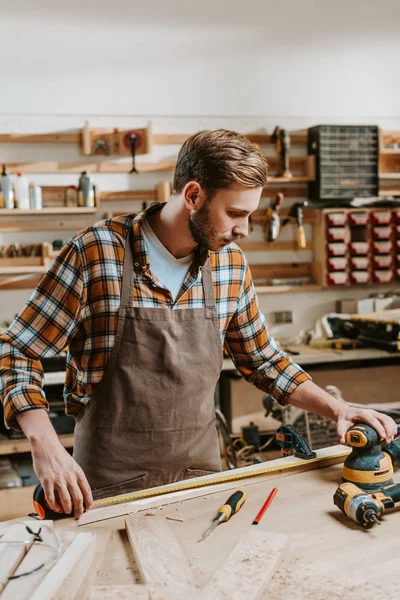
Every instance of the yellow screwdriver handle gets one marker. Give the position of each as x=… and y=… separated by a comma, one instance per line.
x=233, y=504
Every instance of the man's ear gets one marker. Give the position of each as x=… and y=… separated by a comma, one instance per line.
x=193, y=196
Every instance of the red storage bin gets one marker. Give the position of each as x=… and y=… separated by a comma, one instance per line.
x=338, y=278
x=359, y=263
x=382, y=247
x=359, y=248
x=381, y=233
x=336, y=234
x=397, y=231
x=383, y=276
x=337, y=249
x=381, y=217
x=396, y=215
x=382, y=261
x=336, y=219
x=358, y=218
x=360, y=276
x=338, y=263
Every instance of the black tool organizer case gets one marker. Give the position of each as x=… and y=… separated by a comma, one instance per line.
x=347, y=159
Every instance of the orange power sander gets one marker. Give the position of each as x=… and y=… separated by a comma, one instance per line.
x=367, y=487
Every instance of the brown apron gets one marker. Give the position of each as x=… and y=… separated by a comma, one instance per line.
x=151, y=420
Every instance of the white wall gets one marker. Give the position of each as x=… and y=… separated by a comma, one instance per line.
x=289, y=58
x=188, y=66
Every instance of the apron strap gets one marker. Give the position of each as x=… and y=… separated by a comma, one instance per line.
x=127, y=272
x=208, y=287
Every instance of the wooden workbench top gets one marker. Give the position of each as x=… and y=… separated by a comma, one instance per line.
x=316, y=356
x=329, y=556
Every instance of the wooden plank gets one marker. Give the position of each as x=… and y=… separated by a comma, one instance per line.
x=22, y=445
x=288, y=289
x=12, y=552
x=256, y=138
x=75, y=562
x=54, y=210
x=280, y=270
x=128, y=195
x=248, y=570
x=181, y=490
x=38, y=554
x=160, y=558
x=45, y=225
x=72, y=137
x=273, y=246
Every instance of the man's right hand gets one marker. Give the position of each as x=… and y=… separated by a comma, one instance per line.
x=64, y=483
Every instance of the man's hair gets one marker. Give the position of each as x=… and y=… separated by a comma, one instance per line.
x=217, y=159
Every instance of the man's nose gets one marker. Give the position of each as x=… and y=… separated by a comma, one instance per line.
x=241, y=230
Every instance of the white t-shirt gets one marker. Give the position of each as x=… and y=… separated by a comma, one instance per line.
x=169, y=270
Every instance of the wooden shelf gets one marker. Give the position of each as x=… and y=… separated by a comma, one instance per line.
x=285, y=289
x=5, y=212
x=388, y=175
x=22, y=445
x=20, y=270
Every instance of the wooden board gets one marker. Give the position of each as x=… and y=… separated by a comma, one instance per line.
x=194, y=487
x=249, y=568
x=160, y=559
x=13, y=547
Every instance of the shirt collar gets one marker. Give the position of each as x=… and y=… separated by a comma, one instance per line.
x=142, y=261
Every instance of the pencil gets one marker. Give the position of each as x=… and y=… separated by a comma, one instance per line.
x=265, y=506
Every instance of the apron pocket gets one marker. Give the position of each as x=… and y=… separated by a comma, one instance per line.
x=189, y=473
x=131, y=485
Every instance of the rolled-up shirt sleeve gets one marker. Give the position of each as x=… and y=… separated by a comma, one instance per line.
x=254, y=351
x=43, y=328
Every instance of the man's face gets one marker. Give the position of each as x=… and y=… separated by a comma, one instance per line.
x=225, y=218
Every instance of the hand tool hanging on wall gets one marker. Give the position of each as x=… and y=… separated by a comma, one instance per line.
x=367, y=487
x=230, y=508
x=272, y=219
x=133, y=141
x=282, y=140
x=296, y=213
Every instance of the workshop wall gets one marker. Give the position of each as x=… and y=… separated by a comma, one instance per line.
x=120, y=64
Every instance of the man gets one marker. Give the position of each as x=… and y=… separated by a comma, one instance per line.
x=145, y=304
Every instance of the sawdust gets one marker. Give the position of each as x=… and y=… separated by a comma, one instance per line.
x=304, y=582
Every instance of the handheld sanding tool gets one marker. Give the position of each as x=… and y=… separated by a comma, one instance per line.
x=367, y=488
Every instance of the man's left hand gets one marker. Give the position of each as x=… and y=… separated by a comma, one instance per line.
x=385, y=427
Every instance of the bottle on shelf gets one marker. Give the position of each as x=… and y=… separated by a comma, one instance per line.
x=21, y=188
x=35, y=196
x=6, y=190
x=9, y=477
x=86, y=191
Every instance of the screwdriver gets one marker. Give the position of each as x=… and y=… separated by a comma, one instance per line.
x=231, y=507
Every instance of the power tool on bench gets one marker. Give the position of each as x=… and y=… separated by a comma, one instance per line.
x=367, y=488
x=291, y=442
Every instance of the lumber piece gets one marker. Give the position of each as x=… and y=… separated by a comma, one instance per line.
x=40, y=553
x=160, y=559
x=249, y=568
x=181, y=490
x=75, y=561
x=12, y=546
x=45, y=583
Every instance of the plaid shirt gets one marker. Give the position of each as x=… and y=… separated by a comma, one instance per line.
x=76, y=305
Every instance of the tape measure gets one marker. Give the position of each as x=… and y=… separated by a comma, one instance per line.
x=44, y=512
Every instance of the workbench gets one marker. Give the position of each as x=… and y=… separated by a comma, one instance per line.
x=328, y=555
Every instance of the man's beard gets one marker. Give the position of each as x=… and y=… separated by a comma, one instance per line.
x=204, y=233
